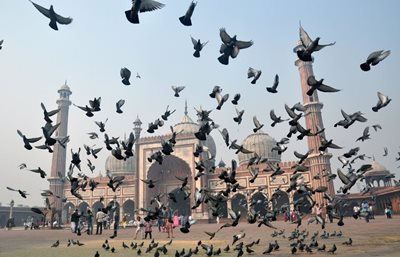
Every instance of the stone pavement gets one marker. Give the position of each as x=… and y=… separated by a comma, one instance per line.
x=379, y=237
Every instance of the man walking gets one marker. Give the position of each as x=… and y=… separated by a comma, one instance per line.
x=100, y=215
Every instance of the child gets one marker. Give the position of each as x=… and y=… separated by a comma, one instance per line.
x=169, y=226
x=147, y=228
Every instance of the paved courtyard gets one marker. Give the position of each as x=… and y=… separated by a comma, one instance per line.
x=379, y=237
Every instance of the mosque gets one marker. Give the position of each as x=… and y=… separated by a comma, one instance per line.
x=134, y=194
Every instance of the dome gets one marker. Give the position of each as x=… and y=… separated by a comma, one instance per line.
x=120, y=167
x=260, y=143
x=377, y=170
x=187, y=125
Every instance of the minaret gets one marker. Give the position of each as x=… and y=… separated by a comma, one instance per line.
x=136, y=131
x=59, y=152
x=316, y=161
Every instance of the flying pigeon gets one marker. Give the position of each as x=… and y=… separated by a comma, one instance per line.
x=253, y=73
x=318, y=85
x=187, y=18
x=236, y=98
x=141, y=6
x=27, y=141
x=177, y=90
x=373, y=59
x=197, y=46
x=274, y=86
x=53, y=16
x=382, y=102
x=125, y=75
x=119, y=104
x=230, y=46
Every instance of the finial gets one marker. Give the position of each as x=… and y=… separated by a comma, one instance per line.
x=65, y=82
x=186, y=112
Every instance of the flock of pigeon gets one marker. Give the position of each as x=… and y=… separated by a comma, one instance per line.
x=123, y=149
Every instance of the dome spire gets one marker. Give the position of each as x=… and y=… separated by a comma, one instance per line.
x=186, y=112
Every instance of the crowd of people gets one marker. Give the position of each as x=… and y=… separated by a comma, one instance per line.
x=105, y=219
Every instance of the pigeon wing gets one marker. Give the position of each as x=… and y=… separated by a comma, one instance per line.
x=304, y=37
x=244, y=44
x=41, y=9
x=194, y=41
x=325, y=88
x=149, y=5
x=63, y=20
x=224, y=36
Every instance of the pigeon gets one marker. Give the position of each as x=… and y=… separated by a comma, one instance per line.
x=101, y=125
x=40, y=171
x=350, y=119
x=333, y=249
x=53, y=16
x=56, y=244
x=275, y=119
x=22, y=166
x=385, y=150
x=1, y=44
x=365, y=135
x=177, y=90
x=119, y=104
x=125, y=75
x=141, y=6
x=318, y=85
x=269, y=249
x=253, y=73
x=236, y=98
x=187, y=18
x=274, y=86
x=22, y=193
x=230, y=46
x=87, y=109
x=197, y=46
x=257, y=124
x=302, y=157
x=373, y=59
x=167, y=113
x=308, y=46
x=221, y=99
x=47, y=114
x=149, y=182
x=376, y=127
x=238, y=237
x=382, y=102
x=239, y=114
x=27, y=141
x=97, y=254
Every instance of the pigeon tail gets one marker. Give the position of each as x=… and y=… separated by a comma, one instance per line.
x=365, y=66
x=126, y=82
x=53, y=24
x=196, y=54
x=132, y=17
x=185, y=21
x=224, y=59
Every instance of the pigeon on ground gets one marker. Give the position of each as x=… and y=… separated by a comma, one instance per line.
x=230, y=46
x=197, y=46
x=253, y=73
x=53, y=16
x=274, y=86
x=125, y=75
x=187, y=18
x=373, y=59
x=382, y=102
x=141, y=6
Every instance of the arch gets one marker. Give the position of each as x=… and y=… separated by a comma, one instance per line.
x=165, y=177
x=239, y=203
x=82, y=207
x=222, y=209
x=181, y=206
x=261, y=207
x=68, y=209
x=281, y=199
x=305, y=206
x=128, y=208
x=96, y=206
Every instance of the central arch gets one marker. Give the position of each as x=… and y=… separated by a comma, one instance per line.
x=167, y=182
x=239, y=203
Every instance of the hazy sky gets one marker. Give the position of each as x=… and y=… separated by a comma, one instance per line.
x=89, y=53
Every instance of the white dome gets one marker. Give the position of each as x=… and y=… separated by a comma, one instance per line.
x=120, y=167
x=262, y=144
x=377, y=170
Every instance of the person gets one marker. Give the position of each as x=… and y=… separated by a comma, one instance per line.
x=124, y=221
x=75, y=221
x=217, y=219
x=388, y=212
x=139, y=227
x=116, y=223
x=160, y=222
x=293, y=216
x=89, y=220
x=100, y=215
x=329, y=210
x=169, y=226
x=147, y=228
x=176, y=220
